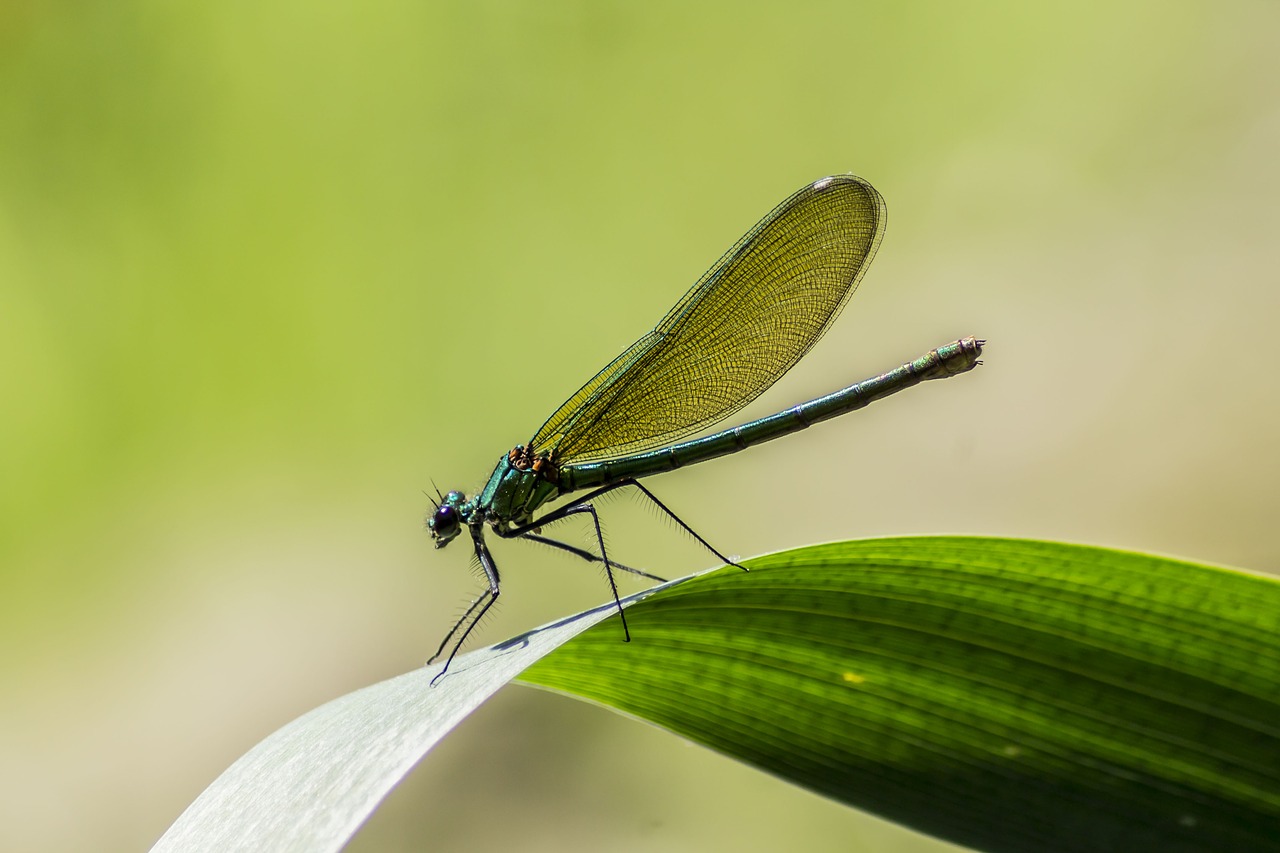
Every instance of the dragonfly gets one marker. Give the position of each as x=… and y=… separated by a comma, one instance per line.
x=744, y=324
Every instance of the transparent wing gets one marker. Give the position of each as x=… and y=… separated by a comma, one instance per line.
x=742, y=326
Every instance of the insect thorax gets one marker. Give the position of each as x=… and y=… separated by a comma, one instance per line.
x=522, y=481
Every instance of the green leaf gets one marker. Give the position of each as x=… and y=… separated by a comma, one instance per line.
x=1007, y=695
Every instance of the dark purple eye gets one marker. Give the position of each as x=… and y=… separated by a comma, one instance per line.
x=444, y=523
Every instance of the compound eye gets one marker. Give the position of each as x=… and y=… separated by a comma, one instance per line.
x=444, y=523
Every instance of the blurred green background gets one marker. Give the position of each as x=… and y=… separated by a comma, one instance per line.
x=267, y=270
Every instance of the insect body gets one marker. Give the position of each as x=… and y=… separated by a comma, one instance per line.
x=747, y=321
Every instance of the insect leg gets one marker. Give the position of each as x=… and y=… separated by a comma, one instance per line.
x=588, y=556
x=604, y=557
x=478, y=607
x=678, y=520
x=574, y=507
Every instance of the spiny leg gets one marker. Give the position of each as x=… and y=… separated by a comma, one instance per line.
x=531, y=529
x=585, y=500
x=462, y=620
x=678, y=520
x=588, y=556
x=483, y=602
x=604, y=557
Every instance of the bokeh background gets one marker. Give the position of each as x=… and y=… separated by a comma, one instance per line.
x=267, y=271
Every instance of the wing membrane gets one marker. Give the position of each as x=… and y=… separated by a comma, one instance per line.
x=737, y=331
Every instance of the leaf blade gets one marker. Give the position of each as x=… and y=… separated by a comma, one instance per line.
x=1006, y=694
x=311, y=784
